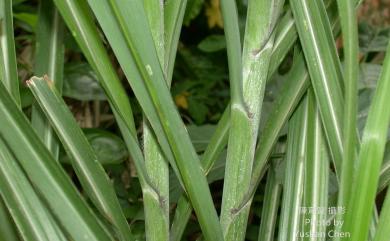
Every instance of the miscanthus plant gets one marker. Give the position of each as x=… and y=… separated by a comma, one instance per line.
x=321, y=176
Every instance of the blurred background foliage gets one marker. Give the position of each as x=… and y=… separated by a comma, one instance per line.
x=200, y=89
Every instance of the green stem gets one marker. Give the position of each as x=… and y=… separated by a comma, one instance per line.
x=249, y=86
x=290, y=96
x=233, y=43
x=156, y=210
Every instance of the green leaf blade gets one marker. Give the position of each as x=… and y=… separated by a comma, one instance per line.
x=90, y=172
x=30, y=215
x=370, y=159
x=8, y=68
x=50, y=62
x=290, y=218
x=316, y=174
x=149, y=85
x=349, y=28
x=46, y=174
x=324, y=68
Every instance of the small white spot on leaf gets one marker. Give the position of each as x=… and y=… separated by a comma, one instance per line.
x=149, y=70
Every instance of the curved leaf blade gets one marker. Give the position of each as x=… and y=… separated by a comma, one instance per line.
x=31, y=217
x=132, y=45
x=84, y=161
x=46, y=174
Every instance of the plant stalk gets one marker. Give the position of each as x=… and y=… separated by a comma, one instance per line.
x=247, y=91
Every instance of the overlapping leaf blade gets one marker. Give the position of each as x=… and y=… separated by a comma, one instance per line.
x=294, y=177
x=132, y=44
x=370, y=159
x=46, y=174
x=78, y=19
x=324, y=67
x=7, y=226
x=272, y=194
x=216, y=145
x=30, y=215
x=315, y=196
x=49, y=61
x=84, y=161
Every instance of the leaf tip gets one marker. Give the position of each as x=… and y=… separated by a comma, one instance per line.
x=34, y=79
